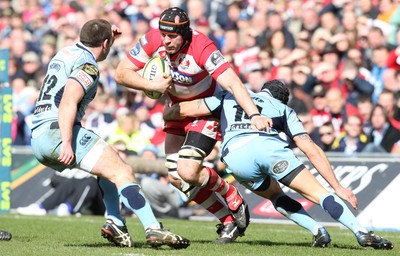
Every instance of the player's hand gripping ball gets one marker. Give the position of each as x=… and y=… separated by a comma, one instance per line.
x=156, y=66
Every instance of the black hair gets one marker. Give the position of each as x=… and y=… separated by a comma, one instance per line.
x=278, y=89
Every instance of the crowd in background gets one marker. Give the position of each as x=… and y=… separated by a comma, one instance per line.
x=340, y=60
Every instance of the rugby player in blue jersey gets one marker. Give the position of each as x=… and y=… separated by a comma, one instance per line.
x=254, y=157
x=60, y=142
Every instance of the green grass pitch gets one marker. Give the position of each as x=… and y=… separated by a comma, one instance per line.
x=80, y=236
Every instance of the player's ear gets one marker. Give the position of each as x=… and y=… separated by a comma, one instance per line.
x=106, y=43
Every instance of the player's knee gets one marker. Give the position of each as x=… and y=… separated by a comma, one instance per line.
x=192, y=153
x=190, y=163
x=287, y=203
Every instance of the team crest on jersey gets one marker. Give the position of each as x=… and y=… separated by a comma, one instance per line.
x=163, y=54
x=135, y=51
x=280, y=166
x=91, y=70
x=217, y=58
x=184, y=63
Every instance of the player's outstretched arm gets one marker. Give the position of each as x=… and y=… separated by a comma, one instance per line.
x=181, y=110
x=321, y=163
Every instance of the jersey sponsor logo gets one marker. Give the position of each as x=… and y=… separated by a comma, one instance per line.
x=181, y=78
x=143, y=40
x=280, y=166
x=217, y=58
x=135, y=51
x=42, y=108
x=240, y=126
x=84, y=78
x=91, y=70
x=85, y=139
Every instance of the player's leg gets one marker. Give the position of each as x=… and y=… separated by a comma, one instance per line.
x=293, y=210
x=190, y=167
x=227, y=230
x=336, y=207
x=102, y=160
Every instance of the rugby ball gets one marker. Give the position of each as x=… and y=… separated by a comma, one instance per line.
x=156, y=66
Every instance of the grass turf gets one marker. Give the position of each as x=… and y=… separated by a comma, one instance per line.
x=50, y=235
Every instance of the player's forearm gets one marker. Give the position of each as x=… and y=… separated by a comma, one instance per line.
x=131, y=79
x=66, y=119
x=181, y=110
x=323, y=166
x=318, y=159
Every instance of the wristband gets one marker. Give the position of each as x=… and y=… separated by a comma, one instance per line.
x=253, y=115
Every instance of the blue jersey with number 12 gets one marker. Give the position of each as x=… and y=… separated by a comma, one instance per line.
x=72, y=62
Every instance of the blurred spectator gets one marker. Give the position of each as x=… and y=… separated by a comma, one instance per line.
x=245, y=57
x=310, y=19
x=255, y=79
x=308, y=124
x=386, y=10
x=383, y=135
x=352, y=139
x=128, y=131
x=24, y=98
x=150, y=115
x=354, y=85
x=32, y=69
x=339, y=109
x=265, y=58
x=389, y=100
x=327, y=136
x=276, y=23
x=355, y=55
x=293, y=16
x=98, y=118
x=330, y=21
x=304, y=43
x=320, y=112
x=365, y=105
x=368, y=8
x=379, y=60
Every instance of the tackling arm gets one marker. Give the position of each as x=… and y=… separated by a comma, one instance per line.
x=181, y=110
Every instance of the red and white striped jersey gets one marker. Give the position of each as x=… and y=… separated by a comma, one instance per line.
x=194, y=68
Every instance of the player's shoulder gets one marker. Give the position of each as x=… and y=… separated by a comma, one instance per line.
x=150, y=41
x=200, y=41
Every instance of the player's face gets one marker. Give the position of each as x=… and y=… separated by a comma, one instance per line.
x=172, y=42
